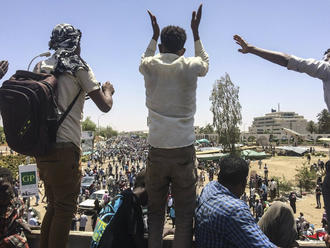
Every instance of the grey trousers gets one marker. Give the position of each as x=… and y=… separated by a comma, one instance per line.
x=176, y=166
x=279, y=225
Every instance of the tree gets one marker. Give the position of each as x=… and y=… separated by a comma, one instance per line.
x=306, y=178
x=107, y=132
x=88, y=125
x=324, y=121
x=208, y=129
x=226, y=111
x=312, y=128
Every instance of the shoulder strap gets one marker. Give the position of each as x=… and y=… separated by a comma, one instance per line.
x=68, y=110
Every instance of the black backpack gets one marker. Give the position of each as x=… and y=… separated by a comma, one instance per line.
x=28, y=106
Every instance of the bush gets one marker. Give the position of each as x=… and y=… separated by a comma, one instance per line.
x=85, y=158
x=284, y=185
x=306, y=178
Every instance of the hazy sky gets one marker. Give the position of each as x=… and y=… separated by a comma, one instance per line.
x=116, y=33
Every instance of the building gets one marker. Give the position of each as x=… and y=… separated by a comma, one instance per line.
x=273, y=123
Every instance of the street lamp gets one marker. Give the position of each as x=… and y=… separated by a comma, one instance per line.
x=98, y=121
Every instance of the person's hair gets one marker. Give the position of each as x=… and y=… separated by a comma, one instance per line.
x=173, y=38
x=327, y=51
x=6, y=175
x=140, y=179
x=233, y=171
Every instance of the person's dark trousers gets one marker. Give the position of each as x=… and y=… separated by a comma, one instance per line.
x=82, y=228
x=293, y=206
x=326, y=195
x=279, y=225
x=318, y=200
x=60, y=170
x=173, y=222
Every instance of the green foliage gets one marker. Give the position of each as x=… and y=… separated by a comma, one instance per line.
x=107, y=132
x=13, y=161
x=88, y=124
x=306, y=178
x=208, y=129
x=84, y=159
x=311, y=127
x=2, y=136
x=284, y=185
x=324, y=121
x=226, y=111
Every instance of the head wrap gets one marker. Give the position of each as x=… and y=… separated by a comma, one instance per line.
x=65, y=40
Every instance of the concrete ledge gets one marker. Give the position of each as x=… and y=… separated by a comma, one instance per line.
x=83, y=240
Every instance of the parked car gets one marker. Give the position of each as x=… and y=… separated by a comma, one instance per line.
x=88, y=205
x=86, y=182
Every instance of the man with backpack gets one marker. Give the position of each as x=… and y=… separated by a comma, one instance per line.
x=171, y=82
x=60, y=168
x=120, y=222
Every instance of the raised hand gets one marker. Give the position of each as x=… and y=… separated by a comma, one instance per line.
x=108, y=87
x=155, y=26
x=3, y=68
x=196, y=19
x=245, y=47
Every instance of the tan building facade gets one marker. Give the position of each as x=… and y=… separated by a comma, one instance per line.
x=273, y=123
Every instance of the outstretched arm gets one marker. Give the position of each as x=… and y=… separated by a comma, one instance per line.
x=272, y=56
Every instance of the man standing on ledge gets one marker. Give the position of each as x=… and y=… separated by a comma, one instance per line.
x=60, y=169
x=171, y=82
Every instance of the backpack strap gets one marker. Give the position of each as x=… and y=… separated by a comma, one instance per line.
x=68, y=110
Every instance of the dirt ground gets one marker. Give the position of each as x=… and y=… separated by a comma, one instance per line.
x=286, y=166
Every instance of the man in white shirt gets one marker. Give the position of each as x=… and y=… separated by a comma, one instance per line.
x=171, y=82
x=60, y=169
x=82, y=222
x=315, y=68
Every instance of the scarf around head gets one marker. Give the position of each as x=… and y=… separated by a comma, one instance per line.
x=65, y=40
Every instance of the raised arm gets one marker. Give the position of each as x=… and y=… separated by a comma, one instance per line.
x=103, y=99
x=151, y=49
x=315, y=68
x=155, y=26
x=272, y=56
x=199, y=49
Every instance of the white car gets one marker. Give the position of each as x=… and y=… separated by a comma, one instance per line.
x=88, y=205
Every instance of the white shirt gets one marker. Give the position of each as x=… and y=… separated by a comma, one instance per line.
x=68, y=88
x=273, y=185
x=83, y=220
x=315, y=68
x=171, y=82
